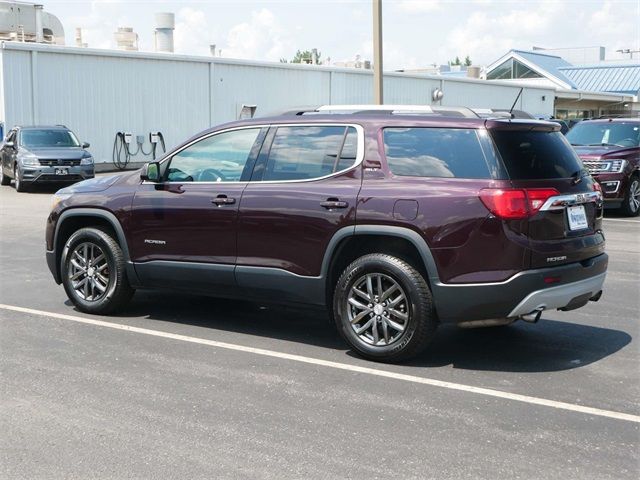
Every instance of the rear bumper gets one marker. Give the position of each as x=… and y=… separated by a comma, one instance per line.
x=578, y=293
x=573, y=285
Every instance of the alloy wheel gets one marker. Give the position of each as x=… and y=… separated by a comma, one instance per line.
x=377, y=309
x=89, y=271
x=634, y=196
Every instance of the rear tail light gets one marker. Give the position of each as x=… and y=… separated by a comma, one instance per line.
x=597, y=187
x=515, y=203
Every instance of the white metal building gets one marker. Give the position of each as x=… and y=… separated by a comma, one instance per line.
x=97, y=93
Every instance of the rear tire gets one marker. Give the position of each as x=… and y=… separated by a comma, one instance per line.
x=93, y=271
x=631, y=202
x=382, y=307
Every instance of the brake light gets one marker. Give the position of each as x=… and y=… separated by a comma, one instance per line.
x=515, y=203
x=597, y=187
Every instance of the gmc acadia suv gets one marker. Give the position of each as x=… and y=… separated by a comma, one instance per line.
x=394, y=218
x=610, y=150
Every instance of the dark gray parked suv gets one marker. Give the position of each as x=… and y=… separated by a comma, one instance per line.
x=43, y=154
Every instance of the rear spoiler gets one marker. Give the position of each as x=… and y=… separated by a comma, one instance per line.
x=521, y=124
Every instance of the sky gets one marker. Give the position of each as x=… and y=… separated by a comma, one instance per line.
x=417, y=33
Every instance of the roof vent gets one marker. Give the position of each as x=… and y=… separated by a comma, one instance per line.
x=165, y=24
x=126, y=39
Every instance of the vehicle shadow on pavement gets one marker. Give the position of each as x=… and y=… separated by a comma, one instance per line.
x=302, y=325
x=550, y=345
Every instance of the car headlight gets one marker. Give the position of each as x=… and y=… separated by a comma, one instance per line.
x=86, y=161
x=57, y=198
x=29, y=160
x=618, y=166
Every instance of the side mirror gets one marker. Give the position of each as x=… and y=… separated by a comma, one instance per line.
x=9, y=144
x=86, y=145
x=150, y=172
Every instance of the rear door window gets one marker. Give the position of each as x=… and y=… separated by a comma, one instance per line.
x=435, y=152
x=535, y=155
x=308, y=152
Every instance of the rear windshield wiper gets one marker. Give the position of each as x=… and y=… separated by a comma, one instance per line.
x=604, y=144
x=577, y=176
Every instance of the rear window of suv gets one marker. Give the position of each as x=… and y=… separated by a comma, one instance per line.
x=535, y=155
x=435, y=152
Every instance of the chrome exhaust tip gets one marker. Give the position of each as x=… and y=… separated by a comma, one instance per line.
x=596, y=297
x=534, y=316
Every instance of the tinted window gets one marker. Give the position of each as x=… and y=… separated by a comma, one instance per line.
x=35, y=138
x=218, y=158
x=435, y=152
x=531, y=155
x=306, y=152
x=623, y=134
x=349, y=150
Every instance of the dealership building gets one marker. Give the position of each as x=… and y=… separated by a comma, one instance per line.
x=98, y=93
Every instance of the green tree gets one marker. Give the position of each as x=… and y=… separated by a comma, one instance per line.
x=467, y=61
x=304, y=57
x=456, y=61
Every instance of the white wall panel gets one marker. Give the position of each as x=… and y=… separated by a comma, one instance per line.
x=272, y=89
x=97, y=93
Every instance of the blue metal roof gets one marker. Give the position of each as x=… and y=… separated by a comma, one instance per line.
x=549, y=63
x=617, y=78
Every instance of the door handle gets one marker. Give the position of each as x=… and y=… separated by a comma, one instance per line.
x=223, y=200
x=331, y=203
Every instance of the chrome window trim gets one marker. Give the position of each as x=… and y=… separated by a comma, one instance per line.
x=358, y=161
x=559, y=202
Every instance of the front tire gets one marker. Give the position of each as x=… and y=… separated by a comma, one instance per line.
x=4, y=180
x=631, y=202
x=383, y=308
x=94, y=272
x=17, y=181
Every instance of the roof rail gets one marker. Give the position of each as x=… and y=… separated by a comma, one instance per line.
x=388, y=109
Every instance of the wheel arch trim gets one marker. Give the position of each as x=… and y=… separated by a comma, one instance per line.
x=102, y=214
x=376, y=230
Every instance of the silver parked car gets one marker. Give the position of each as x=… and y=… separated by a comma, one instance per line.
x=44, y=154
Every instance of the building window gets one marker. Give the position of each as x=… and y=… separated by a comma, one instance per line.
x=511, y=69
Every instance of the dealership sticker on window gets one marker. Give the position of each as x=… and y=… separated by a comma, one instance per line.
x=577, y=217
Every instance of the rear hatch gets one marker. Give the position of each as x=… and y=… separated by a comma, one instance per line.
x=563, y=202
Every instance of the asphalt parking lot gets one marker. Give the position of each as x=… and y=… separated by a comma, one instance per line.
x=191, y=387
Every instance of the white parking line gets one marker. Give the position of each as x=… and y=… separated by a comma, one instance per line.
x=336, y=365
x=621, y=220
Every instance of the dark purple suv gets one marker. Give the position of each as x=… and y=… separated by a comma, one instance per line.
x=394, y=219
x=610, y=150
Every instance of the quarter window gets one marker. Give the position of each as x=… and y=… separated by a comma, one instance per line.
x=218, y=158
x=307, y=152
x=435, y=152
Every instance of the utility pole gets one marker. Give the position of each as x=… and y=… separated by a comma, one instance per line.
x=377, y=52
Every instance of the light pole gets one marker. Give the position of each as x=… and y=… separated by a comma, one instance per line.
x=377, y=52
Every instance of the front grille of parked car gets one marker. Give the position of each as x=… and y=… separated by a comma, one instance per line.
x=598, y=166
x=59, y=163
